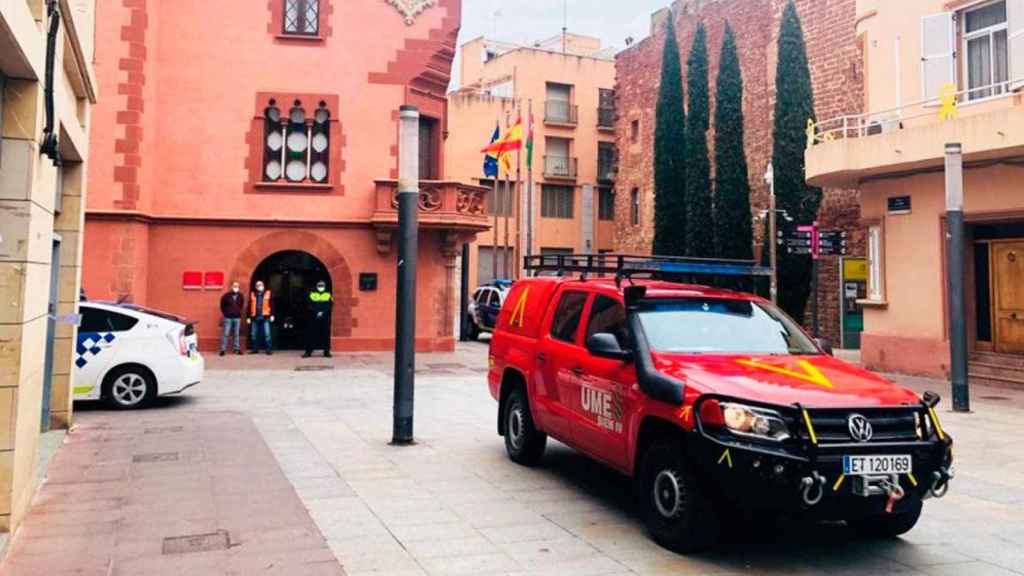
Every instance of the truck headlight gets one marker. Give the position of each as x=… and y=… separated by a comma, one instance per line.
x=755, y=422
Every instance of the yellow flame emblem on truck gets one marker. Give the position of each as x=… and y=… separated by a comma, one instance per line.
x=519, y=312
x=810, y=372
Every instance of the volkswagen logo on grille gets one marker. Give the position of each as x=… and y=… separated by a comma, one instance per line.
x=860, y=428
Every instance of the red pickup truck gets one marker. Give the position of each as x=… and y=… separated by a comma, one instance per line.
x=714, y=402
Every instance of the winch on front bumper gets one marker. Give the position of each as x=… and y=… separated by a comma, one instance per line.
x=805, y=473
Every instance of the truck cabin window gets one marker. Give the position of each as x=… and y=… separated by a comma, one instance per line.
x=721, y=326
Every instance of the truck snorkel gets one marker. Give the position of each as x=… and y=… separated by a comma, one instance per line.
x=652, y=382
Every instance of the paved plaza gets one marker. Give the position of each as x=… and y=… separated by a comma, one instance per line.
x=266, y=469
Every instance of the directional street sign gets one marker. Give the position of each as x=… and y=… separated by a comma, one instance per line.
x=808, y=240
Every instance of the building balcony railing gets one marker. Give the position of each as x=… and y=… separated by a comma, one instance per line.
x=606, y=118
x=443, y=205
x=560, y=112
x=988, y=121
x=607, y=171
x=913, y=113
x=560, y=167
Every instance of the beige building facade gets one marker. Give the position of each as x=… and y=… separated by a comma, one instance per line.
x=569, y=83
x=44, y=123
x=937, y=72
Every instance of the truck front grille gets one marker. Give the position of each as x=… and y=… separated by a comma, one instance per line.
x=887, y=425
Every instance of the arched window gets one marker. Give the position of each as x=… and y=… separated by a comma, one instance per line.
x=297, y=148
x=302, y=17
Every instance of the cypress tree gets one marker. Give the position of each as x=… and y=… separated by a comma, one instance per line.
x=732, y=189
x=669, y=153
x=794, y=105
x=700, y=225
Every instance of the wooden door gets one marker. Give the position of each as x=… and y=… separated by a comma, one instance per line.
x=1008, y=285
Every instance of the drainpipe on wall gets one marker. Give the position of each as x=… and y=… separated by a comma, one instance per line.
x=51, y=145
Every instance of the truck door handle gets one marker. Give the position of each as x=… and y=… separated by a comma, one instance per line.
x=541, y=357
x=577, y=371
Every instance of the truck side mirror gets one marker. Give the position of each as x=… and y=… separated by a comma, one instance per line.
x=825, y=345
x=605, y=345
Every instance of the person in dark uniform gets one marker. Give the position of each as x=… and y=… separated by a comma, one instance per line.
x=318, y=323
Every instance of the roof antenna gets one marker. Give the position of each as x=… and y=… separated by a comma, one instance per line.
x=565, y=23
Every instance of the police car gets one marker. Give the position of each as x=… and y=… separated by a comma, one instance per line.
x=128, y=355
x=485, y=305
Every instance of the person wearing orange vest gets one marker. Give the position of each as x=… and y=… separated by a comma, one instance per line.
x=261, y=316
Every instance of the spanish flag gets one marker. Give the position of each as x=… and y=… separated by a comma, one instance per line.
x=512, y=142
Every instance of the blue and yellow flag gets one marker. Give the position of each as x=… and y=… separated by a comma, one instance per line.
x=491, y=158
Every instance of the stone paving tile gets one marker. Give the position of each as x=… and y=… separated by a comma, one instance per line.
x=157, y=497
x=453, y=503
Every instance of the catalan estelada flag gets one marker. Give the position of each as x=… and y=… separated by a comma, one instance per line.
x=490, y=158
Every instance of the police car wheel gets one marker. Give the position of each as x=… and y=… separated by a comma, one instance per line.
x=523, y=442
x=473, y=331
x=887, y=525
x=677, y=512
x=130, y=387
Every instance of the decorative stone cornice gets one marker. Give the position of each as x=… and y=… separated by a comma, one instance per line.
x=411, y=8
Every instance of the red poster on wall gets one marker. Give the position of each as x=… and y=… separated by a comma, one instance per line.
x=192, y=280
x=213, y=280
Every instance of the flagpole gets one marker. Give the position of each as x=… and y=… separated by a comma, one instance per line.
x=497, y=210
x=494, y=230
x=508, y=209
x=519, y=198
x=529, y=186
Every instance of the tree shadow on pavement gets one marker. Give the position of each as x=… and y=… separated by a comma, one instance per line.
x=758, y=540
x=161, y=403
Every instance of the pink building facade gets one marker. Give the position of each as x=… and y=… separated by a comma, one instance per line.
x=260, y=142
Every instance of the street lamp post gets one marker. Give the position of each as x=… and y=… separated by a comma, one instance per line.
x=955, y=277
x=405, y=317
x=769, y=178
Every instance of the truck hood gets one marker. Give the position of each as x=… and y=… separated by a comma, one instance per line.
x=812, y=380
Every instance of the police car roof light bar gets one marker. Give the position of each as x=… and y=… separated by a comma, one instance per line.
x=625, y=265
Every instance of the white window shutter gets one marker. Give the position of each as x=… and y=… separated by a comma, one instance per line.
x=1015, y=35
x=938, y=50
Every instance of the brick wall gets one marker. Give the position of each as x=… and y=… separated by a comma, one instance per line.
x=836, y=72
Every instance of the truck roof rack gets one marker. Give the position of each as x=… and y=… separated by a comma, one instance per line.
x=626, y=266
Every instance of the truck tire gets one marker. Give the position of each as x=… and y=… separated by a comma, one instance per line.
x=677, y=511
x=887, y=525
x=523, y=442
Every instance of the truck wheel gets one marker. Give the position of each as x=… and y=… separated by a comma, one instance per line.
x=523, y=442
x=887, y=525
x=678, y=513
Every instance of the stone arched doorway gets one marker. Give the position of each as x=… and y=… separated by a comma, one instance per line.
x=290, y=276
x=338, y=272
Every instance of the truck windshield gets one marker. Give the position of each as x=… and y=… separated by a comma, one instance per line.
x=714, y=325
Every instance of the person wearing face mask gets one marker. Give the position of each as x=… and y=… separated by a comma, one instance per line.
x=231, y=305
x=261, y=316
x=318, y=323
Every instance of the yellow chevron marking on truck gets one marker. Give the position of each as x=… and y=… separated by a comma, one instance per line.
x=519, y=312
x=810, y=371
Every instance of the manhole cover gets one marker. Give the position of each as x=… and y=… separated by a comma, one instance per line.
x=313, y=368
x=156, y=457
x=996, y=398
x=164, y=429
x=197, y=543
